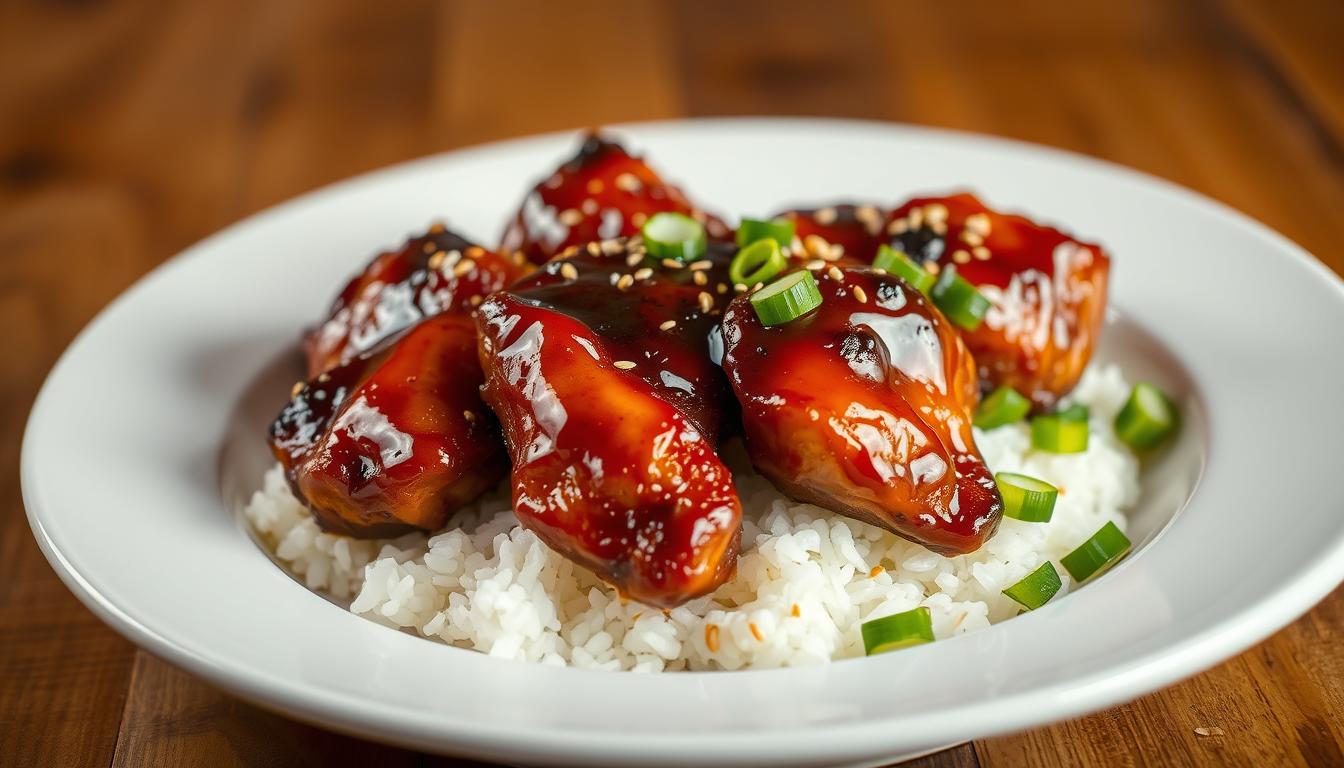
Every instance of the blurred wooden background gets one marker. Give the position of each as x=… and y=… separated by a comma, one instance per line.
x=128, y=130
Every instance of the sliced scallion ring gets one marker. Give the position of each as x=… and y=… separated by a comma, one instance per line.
x=1026, y=498
x=899, y=630
x=674, y=236
x=757, y=263
x=1148, y=418
x=1105, y=548
x=1055, y=433
x=788, y=298
x=958, y=299
x=902, y=266
x=1004, y=405
x=1037, y=587
x=753, y=230
x=1076, y=412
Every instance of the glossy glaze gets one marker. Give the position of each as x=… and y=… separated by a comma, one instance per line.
x=1048, y=290
x=439, y=271
x=602, y=192
x=863, y=406
x=612, y=417
x=395, y=439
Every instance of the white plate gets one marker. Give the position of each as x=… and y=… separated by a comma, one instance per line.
x=148, y=432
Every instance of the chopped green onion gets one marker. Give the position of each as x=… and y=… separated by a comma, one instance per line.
x=1076, y=412
x=674, y=236
x=1106, y=547
x=899, y=630
x=788, y=298
x=902, y=266
x=757, y=263
x=1026, y=498
x=1148, y=418
x=1059, y=433
x=1004, y=405
x=958, y=299
x=752, y=230
x=1036, y=588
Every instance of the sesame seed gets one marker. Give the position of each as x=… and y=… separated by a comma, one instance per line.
x=519, y=258
x=938, y=227
x=595, y=186
x=701, y=264
x=429, y=247
x=935, y=212
x=611, y=247
x=834, y=254
x=961, y=257
x=971, y=237
x=625, y=282
x=916, y=217
x=877, y=571
x=932, y=267
x=898, y=226
x=589, y=206
x=568, y=271
x=638, y=218
x=614, y=276
x=796, y=611
x=463, y=267
x=755, y=631
x=436, y=228
x=865, y=213
x=816, y=264
x=667, y=325
x=436, y=260
x=475, y=252
x=980, y=252
x=627, y=182
x=643, y=274
x=835, y=274
x=860, y=294
x=323, y=378
x=978, y=223
x=721, y=288
x=699, y=278
x=633, y=259
x=672, y=264
x=296, y=389
x=475, y=300
x=816, y=245
x=825, y=216
x=740, y=288
x=757, y=287
x=570, y=217
x=624, y=365
x=879, y=271
x=706, y=302
x=469, y=416
x=570, y=251
x=594, y=249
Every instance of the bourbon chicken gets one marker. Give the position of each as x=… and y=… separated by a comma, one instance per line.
x=602, y=192
x=863, y=406
x=599, y=370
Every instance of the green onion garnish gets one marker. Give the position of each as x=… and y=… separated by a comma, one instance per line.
x=1106, y=547
x=902, y=266
x=756, y=263
x=1004, y=405
x=1148, y=418
x=752, y=230
x=899, y=630
x=958, y=299
x=1026, y=498
x=1036, y=588
x=674, y=236
x=1059, y=433
x=788, y=298
x=1076, y=412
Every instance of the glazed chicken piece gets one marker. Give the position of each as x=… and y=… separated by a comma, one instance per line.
x=603, y=192
x=438, y=271
x=599, y=370
x=856, y=229
x=1047, y=290
x=863, y=406
x=396, y=438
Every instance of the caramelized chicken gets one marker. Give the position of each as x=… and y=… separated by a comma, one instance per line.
x=396, y=438
x=598, y=368
x=602, y=192
x=1048, y=290
x=863, y=406
x=856, y=229
x=438, y=271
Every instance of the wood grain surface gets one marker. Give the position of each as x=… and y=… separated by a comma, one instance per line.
x=129, y=130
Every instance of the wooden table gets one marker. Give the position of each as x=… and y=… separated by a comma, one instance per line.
x=128, y=130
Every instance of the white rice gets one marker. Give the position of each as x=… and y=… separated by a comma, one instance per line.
x=807, y=579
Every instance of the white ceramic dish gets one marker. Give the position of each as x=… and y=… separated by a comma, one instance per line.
x=148, y=433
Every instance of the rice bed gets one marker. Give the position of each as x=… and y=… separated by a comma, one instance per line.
x=807, y=579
